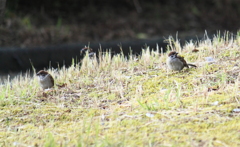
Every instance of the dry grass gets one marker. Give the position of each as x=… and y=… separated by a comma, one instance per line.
x=134, y=102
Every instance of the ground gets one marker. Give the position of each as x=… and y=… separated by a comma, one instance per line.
x=134, y=102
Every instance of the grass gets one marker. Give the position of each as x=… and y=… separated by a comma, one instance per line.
x=134, y=102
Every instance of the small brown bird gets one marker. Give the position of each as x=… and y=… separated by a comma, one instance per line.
x=175, y=62
x=45, y=79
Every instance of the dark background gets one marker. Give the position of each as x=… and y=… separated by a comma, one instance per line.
x=30, y=23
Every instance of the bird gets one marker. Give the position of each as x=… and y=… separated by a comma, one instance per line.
x=45, y=79
x=176, y=62
x=90, y=51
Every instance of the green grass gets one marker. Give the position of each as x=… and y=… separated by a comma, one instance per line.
x=135, y=102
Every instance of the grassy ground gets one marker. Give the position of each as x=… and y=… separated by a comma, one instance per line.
x=135, y=102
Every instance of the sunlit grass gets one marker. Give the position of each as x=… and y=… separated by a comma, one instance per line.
x=115, y=101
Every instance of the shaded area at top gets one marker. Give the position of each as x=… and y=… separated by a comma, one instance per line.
x=39, y=23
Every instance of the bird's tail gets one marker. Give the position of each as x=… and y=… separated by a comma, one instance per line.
x=192, y=65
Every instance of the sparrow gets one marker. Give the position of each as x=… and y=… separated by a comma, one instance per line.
x=175, y=62
x=45, y=79
x=91, y=53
